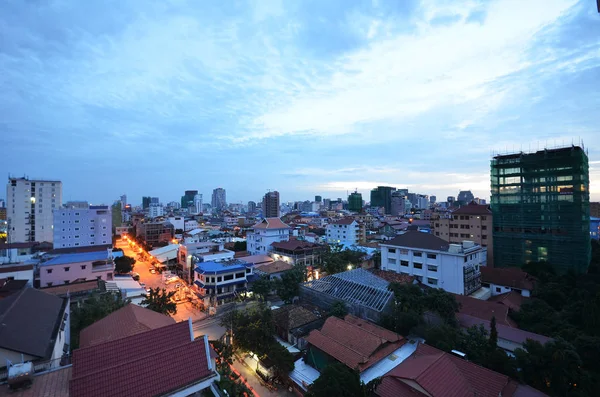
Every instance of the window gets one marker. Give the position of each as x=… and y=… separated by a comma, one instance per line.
x=417, y=254
x=391, y=261
x=83, y=267
x=403, y=252
x=432, y=268
x=484, y=237
x=76, y=236
x=76, y=229
x=498, y=289
x=76, y=220
x=432, y=281
x=77, y=214
x=49, y=284
x=404, y=263
x=483, y=227
x=391, y=250
x=66, y=281
x=49, y=271
x=483, y=218
x=92, y=220
x=239, y=275
x=431, y=256
x=91, y=235
x=417, y=265
x=67, y=269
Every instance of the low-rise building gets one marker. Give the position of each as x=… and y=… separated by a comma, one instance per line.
x=220, y=282
x=503, y=280
x=345, y=231
x=17, y=271
x=70, y=268
x=297, y=252
x=82, y=227
x=294, y=322
x=265, y=233
x=435, y=262
x=156, y=233
x=35, y=327
x=273, y=270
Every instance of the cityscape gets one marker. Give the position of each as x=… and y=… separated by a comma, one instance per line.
x=284, y=199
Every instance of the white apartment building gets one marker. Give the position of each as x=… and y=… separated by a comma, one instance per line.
x=435, y=262
x=29, y=206
x=155, y=210
x=265, y=233
x=344, y=231
x=77, y=227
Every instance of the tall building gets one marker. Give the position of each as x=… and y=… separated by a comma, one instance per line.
x=540, y=204
x=123, y=201
x=251, y=207
x=82, y=227
x=355, y=202
x=270, y=205
x=187, y=199
x=29, y=207
x=318, y=199
x=154, y=200
x=381, y=196
x=432, y=199
x=2, y=203
x=219, y=199
x=146, y=202
x=155, y=210
x=198, y=203
x=595, y=209
x=398, y=200
x=465, y=197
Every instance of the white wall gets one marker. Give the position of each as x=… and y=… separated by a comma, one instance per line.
x=77, y=227
x=260, y=240
x=347, y=234
x=19, y=275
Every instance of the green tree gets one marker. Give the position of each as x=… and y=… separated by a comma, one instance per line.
x=160, y=301
x=262, y=287
x=377, y=259
x=338, y=309
x=95, y=308
x=239, y=246
x=283, y=360
x=474, y=343
x=124, y=264
x=493, y=340
x=252, y=330
x=288, y=286
x=443, y=303
x=337, y=380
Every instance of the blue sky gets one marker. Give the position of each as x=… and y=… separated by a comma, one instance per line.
x=151, y=97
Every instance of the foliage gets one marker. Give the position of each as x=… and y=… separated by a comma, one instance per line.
x=338, y=309
x=442, y=303
x=253, y=330
x=239, y=246
x=160, y=301
x=95, y=308
x=377, y=259
x=124, y=264
x=283, y=360
x=337, y=259
x=262, y=287
x=493, y=341
x=337, y=380
x=288, y=286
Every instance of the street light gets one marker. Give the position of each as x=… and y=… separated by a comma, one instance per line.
x=349, y=267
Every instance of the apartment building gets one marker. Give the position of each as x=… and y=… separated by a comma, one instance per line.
x=155, y=233
x=346, y=231
x=435, y=262
x=473, y=222
x=82, y=227
x=29, y=206
x=265, y=233
x=78, y=267
x=270, y=205
x=220, y=282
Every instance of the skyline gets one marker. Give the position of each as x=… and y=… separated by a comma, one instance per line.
x=151, y=98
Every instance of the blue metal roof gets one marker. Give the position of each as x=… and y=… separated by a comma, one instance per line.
x=213, y=267
x=80, y=257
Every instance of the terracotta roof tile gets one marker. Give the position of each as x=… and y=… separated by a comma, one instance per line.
x=355, y=342
x=484, y=310
x=274, y=267
x=15, y=268
x=124, y=366
x=295, y=244
x=442, y=374
x=513, y=300
x=271, y=223
x=504, y=331
x=293, y=316
x=392, y=276
x=129, y=320
x=510, y=277
x=49, y=384
x=473, y=209
x=343, y=221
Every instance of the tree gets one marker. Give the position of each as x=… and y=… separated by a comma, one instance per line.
x=288, y=286
x=474, y=343
x=283, y=360
x=443, y=303
x=239, y=246
x=262, y=287
x=124, y=264
x=160, y=301
x=336, y=380
x=95, y=308
x=338, y=309
x=252, y=330
x=377, y=259
x=493, y=340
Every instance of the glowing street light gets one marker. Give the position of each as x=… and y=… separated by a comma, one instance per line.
x=349, y=267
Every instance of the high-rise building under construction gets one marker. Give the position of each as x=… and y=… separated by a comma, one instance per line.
x=540, y=206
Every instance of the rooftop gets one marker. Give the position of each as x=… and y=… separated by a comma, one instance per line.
x=14, y=267
x=357, y=343
x=473, y=209
x=221, y=267
x=123, y=366
x=414, y=239
x=513, y=300
x=392, y=276
x=343, y=221
x=271, y=223
x=75, y=250
x=72, y=288
x=504, y=331
x=129, y=320
x=293, y=316
x=274, y=267
x=511, y=277
x=293, y=245
x=80, y=257
x=48, y=384
x=256, y=259
x=441, y=374
x=484, y=310
x=357, y=286
x=30, y=321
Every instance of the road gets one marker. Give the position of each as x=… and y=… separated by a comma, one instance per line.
x=141, y=267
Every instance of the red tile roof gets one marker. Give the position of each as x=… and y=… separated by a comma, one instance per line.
x=354, y=342
x=128, y=366
x=129, y=320
x=442, y=374
x=49, y=384
x=274, y=267
x=509, y=276
x=343, y=221
x=484, y=310
x=15, y=268
x=392, y=276
x=294, y=245
x=271, y=223
x=513, y=300
x=473, y=209
x=505, y=332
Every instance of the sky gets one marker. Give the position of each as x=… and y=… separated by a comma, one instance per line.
x=154, y=97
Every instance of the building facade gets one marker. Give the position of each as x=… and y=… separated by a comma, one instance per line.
x=270, y=205
x=381, y=196
x=70, y=268
x=264, y=233
x=471, y=222
x=219, y=199
x=29, y=208
x=345, y=231
x=220, y=282
x=355, y=202
x=82, y=227
x=297, y=252
x=155, y=210
x=540, y=203
x=435, y=262
x=156, y=233
x=398, y=207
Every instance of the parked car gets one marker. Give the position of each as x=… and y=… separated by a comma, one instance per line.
x=135, y=276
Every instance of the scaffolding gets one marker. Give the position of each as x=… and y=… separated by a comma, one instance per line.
x=365, y=294
x=540, y=206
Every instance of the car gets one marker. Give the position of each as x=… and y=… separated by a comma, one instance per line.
x=152, y=271
x=135, y=276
